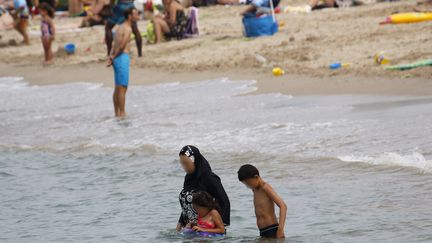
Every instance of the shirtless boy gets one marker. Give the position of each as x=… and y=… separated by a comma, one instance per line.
x=264, y=200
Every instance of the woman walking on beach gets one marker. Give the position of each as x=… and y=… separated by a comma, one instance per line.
x=199, y=177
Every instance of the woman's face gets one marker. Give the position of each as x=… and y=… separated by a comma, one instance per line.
x=187, y=164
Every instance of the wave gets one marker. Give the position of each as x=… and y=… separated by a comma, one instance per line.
x=414, y=160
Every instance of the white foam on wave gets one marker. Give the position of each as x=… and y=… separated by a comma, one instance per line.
x=414, y=160
x=217, y=115
x=12, y=82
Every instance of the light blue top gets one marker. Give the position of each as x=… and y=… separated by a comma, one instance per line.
x=21, y=3
x=261, y=3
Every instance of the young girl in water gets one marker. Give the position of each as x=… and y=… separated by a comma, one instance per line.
x=209, y=219
x=47, y=30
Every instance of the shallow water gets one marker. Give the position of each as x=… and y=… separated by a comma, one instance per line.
x=351, y=168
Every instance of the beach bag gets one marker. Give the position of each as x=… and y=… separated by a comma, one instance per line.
x=259, y=26
x=192, y=28
x=263, y=25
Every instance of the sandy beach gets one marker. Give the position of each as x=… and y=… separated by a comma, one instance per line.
x=304, y=47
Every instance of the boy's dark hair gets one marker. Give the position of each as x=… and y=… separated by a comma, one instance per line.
x=204, y=199
x=247, y=172
x=50, y=11
x=128, y=12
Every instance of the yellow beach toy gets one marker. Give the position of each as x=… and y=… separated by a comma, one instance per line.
x=277, y=71
x=406, y=18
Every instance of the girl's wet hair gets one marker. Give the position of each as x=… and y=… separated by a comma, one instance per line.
x=45, y=6
x=204, y=199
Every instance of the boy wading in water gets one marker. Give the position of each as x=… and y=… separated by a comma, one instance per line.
x=120, y=61
x=264, y=200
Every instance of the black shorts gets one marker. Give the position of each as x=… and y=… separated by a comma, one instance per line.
x=269, y=231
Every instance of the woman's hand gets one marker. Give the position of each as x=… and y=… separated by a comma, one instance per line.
x=179, y=227
x=197, y=228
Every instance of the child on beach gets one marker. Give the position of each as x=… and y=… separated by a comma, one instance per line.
x=20, y=13
x=47, y=30
x=209, y=219
x=264, y=199
x=120, y=61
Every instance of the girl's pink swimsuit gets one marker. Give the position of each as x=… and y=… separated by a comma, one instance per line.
x=45, y=29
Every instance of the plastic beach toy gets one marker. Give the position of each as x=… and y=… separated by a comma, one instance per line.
x=406, y=18
x=381, y=59
x=338, y=65
x=193, y=234
x=70, y=48
x=278, y=71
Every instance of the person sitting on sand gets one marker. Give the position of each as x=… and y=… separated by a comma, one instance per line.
x=20, y=13
x=117, y=17
x=172, y=24
x=264, y=200
x=47, y=30
x=209, y=218
x=120, y=61
x=99, y=11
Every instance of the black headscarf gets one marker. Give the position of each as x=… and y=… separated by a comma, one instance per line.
x=202, y=167
x=203, y=179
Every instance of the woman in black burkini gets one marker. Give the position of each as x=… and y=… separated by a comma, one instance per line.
x=199, y=177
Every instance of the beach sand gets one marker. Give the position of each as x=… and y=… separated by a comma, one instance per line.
x=304, y=48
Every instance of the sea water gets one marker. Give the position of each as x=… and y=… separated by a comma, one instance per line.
x=351, y=168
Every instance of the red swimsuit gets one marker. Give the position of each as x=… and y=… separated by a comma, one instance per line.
x=205, y=224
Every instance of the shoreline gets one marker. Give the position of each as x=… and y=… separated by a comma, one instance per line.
x=265, y=81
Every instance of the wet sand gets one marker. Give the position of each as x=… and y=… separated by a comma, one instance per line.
x=266, y=83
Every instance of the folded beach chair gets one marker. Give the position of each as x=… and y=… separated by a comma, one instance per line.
x=192, y=27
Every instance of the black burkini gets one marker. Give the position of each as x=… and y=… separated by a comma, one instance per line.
x=270, y=231
x=203, y=179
